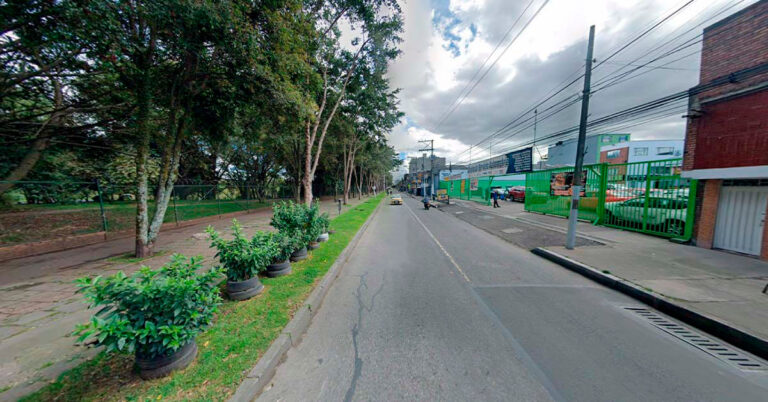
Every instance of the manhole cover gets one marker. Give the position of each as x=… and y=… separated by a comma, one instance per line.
x=512, y=230
x=708, y=345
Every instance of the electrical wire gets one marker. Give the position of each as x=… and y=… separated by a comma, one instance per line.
x=494, y=63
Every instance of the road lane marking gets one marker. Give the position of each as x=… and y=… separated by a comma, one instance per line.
x=429, y=232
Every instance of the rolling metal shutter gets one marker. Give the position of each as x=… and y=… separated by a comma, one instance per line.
x=740, y=218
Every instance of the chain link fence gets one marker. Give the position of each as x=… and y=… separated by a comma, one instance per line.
x=34, y=211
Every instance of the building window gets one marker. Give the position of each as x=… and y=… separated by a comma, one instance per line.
x=613, y=154
x=665, y=151
x=606, y=139
x=641, y=151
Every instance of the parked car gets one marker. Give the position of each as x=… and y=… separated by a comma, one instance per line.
x=516, y=193
x=666, y=215
x=616, y=195
x=677, y=193
x=397, y=199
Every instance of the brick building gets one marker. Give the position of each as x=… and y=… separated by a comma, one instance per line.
x=726, y=144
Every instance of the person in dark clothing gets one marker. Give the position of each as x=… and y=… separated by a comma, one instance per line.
x=495, y=197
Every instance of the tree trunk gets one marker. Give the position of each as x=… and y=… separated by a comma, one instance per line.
x=348, y=178
x=345, y=186
x=165, y=188
x=42, y=140
x=360, y=183
x=29, y=161
x=143, y=248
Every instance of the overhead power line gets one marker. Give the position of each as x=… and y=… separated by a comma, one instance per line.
x=646, y=32
x=472, y=88
x=498, y=45
x=512, y=124
x=658, y=108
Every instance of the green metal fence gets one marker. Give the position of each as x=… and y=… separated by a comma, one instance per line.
x=548, y=192
x=648, y=197
x=43, y=210
x=477, y=188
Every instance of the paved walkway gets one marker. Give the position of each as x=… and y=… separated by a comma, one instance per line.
x=715, y=283
x=39, y=307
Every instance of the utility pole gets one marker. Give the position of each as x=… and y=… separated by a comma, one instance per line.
x=535, y=123
x=431, y=149
x=469, y=174
x=490, y=156
x=576, y=185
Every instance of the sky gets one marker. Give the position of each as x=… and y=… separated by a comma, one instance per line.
x=446, y=42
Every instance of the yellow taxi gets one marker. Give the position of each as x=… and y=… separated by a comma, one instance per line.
x=397, y=199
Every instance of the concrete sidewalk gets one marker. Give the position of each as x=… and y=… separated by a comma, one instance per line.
x=717, y=284
x=39, y=307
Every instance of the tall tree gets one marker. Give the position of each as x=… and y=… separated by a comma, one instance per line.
x=377, y=45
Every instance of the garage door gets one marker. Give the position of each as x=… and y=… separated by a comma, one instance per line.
x=740, y=218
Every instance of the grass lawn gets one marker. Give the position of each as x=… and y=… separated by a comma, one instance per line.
x=241, y=334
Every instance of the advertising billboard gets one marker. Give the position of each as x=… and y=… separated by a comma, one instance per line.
x=520, y=161
x=560, y=183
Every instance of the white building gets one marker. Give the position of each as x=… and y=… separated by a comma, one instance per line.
x=649, y=150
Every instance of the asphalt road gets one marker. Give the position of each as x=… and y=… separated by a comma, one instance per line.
x=430, y=307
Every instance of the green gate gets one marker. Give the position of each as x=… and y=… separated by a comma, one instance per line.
x=648, y=197
x=548, y=192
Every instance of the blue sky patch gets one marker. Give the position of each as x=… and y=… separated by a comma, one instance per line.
x=447, y=24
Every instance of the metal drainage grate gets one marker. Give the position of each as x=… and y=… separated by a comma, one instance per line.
x=714, y=348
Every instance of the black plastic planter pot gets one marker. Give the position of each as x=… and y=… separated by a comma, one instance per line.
x=313, y=245
x=299, y=254
x=278, y=269
x=331, y=231
x=164, y=365
x=244, y=290
x=323, y=237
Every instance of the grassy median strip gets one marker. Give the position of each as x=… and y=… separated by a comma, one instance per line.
x=241, y=334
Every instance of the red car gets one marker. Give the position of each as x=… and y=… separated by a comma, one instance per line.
x=516, y=193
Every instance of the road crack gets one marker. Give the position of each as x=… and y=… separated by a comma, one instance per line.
x=361, y=307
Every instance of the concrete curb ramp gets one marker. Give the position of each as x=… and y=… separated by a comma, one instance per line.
x=713, y=326
x=264, y=370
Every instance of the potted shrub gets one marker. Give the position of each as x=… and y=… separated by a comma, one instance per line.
x=313, y=225
x=154, y=314
x=324, y=223
x=282, y=246
x=289, y=218
x=242, y=262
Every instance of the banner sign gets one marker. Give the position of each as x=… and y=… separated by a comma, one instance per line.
x=520, y=161
x=560, y=183
x=473, y=184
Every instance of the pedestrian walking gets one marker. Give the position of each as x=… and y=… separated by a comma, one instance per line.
x=495, y=197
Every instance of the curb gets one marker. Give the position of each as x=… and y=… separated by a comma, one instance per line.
x=264, y=370
x=715, y=327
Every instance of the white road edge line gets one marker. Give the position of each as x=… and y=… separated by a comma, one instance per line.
x=461, y=271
